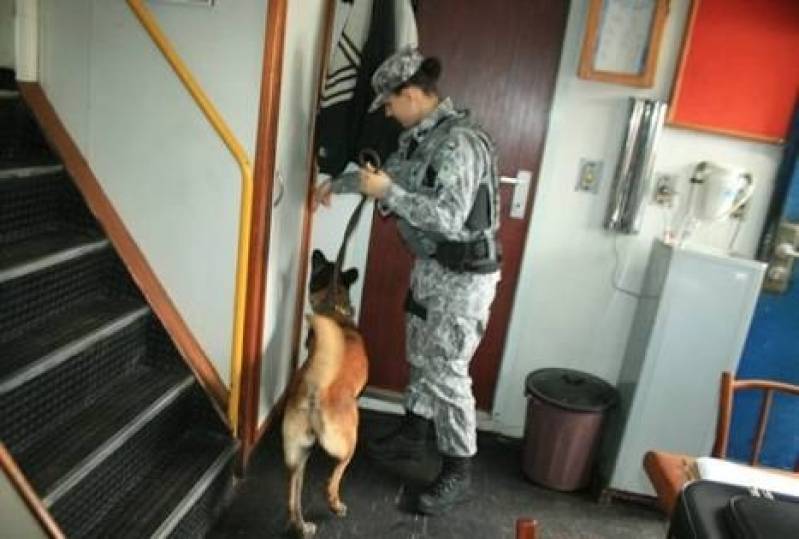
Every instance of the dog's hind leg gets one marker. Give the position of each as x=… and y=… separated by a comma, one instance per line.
x=339, y=444
x=333, y=498
x=297, y=442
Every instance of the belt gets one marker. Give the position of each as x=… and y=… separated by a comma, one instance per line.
x=480, y=256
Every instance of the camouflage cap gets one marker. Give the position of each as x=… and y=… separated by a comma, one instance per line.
x=396, y=69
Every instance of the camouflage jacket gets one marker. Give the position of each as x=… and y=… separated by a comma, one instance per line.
x=436, y=172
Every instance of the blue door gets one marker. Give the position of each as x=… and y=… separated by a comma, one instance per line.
x=772, y=348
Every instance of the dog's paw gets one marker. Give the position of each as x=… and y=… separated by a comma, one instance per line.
x=307, y=530
x=339, y=509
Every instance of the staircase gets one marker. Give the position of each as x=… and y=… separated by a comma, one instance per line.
x=96, y=405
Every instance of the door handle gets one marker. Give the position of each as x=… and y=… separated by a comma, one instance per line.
x=781, y=264
x=521, y=187
x=786, y=250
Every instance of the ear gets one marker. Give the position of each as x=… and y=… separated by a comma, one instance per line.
x=318, y=260
x=349, y=277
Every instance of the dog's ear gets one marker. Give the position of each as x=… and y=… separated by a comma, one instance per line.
x=318, y=261
x=349, y=277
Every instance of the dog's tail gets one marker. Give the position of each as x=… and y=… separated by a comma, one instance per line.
x=328, y=352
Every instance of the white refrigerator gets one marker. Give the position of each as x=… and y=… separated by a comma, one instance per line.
x=690, y=325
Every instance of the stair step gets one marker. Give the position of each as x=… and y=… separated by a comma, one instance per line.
x=46, y=250
x=8, y=79
x=160, y=502
x=39, y=200
x=65, y=363
x=63, y=336
x=21, y=141
x=30, y=171
x=130, y=463
x=58, y=459
x=108, y=450
x=28, y=301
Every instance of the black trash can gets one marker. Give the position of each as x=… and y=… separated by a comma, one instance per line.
x=565, y=413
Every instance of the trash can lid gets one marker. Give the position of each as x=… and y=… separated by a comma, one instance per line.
x=572, y=390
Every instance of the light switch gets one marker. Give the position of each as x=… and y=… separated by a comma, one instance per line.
x=590, y=175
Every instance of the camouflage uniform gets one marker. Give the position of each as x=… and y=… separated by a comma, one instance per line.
x=437, y=171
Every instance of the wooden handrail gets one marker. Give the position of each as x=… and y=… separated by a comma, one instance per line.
x=28, y=495
x=213, y=116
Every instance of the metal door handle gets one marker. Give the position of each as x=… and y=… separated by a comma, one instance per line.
x=521, y=186
x=786, y=250
x=782, y=263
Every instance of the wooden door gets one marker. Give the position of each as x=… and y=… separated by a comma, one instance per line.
x=500, y=60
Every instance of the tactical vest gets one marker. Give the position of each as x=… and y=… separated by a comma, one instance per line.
x=481, y=253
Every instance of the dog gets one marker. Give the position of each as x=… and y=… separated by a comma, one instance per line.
x=321, y=401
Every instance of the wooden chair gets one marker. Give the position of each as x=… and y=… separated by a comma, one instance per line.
x=668, y=472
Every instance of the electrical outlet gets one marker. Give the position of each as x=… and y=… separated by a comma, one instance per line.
x=590, y=175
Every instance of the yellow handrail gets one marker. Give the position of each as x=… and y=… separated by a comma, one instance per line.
x=151, y=25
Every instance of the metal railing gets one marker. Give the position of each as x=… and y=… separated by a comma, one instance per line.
x=150, y=24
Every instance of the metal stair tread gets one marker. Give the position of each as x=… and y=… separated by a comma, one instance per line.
x=63, y=333
x=9, y=166
x=69, y=445
x=158, y=499
x=42, y=251
x=30, y=170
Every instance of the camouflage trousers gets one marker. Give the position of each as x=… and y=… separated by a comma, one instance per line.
x=440, y=347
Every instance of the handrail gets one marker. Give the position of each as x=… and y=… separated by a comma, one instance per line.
x=150, y=24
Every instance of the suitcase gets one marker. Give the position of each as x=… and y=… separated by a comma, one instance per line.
x=710, y=510
x=762, y=518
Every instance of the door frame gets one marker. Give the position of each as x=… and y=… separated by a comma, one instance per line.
x=250, y=432
x=260, y=223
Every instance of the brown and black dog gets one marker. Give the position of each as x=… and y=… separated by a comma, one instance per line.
x=321, y=402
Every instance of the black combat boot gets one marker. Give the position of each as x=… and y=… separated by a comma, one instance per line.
x=406, y=442
x=450, y=487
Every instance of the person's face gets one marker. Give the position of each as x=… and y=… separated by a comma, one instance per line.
x=404, y=107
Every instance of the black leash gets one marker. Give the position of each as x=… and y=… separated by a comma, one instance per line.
x=367, y=157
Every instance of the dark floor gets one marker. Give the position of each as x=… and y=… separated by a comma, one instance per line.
x=379, y=500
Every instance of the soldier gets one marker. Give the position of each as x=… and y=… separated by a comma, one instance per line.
x=442, y=185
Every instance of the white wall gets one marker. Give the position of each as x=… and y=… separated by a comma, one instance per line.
x=168, y=175
x=566, y=313
x=6, y=33
x=301, y=62
x=14, y=513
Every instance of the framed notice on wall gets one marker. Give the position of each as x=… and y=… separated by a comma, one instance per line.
x=622, y=41
x=739, y=70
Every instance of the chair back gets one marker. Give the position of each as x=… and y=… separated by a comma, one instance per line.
x=729, y=386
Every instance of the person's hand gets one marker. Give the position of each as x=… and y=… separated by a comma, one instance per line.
x=322, y=195
x=374, y=183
